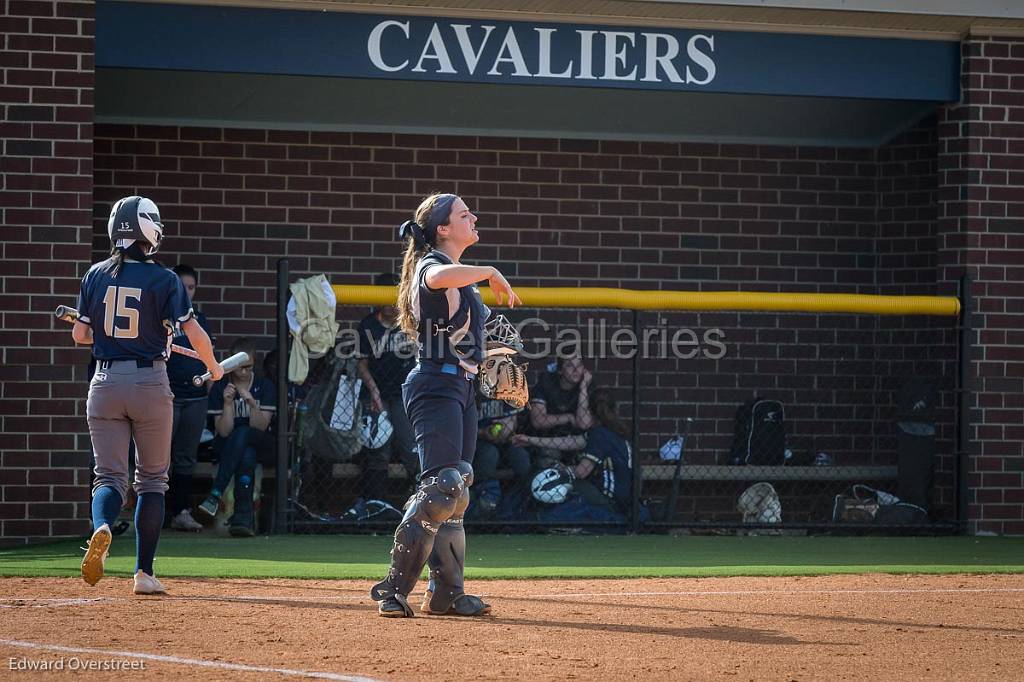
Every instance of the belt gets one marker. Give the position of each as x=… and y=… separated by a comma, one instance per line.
x=107, y=364
x=445, y=368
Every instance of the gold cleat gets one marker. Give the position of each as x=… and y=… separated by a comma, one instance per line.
x=96, y=555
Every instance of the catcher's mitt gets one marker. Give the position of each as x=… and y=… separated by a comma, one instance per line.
x=502, y=379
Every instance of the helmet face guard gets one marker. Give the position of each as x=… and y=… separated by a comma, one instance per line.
x=136, y=218
x=502, y=337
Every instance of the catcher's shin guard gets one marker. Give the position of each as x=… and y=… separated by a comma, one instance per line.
x=448, y=563
x=432, y=505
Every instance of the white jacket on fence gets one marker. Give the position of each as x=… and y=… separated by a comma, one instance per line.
x=311, y=321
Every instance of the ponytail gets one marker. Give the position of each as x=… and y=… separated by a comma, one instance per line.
x=116, y=261
x=407, y=317
x=420, y=236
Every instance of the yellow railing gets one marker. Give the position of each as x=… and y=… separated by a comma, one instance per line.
x=634, y=299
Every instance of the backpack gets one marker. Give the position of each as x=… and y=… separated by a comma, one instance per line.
x=335, y=400
x=760, y=435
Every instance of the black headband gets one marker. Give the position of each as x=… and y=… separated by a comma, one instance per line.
x=426, y=235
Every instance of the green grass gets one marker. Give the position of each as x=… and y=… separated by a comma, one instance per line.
x=543, y=556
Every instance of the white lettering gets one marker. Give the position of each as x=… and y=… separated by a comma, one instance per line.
x=515, y=57
x=544, y=56
x=701, y=59
x=614, y=55
x=660, y=59
x=655, y=59
x=373, y=45
x=586, y=56
x=436, y=50
x=462, y=33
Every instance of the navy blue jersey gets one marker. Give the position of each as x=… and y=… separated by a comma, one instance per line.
x=613, y=464
x=263, y=392
x=132, y=315
x=556, y=400
x=181, y=368
x=390, y=355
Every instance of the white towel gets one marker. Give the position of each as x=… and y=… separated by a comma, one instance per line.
x=345, y=403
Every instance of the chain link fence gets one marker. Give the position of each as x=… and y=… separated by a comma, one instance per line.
x=700, y=422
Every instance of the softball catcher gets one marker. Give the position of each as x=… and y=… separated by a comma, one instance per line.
x=440, y=305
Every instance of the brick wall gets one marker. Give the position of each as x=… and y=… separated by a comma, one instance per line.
x=913, y=348
x=981, y=214
x=907, y=189
x=572, y=212
x=554, y=212
x=46, y=86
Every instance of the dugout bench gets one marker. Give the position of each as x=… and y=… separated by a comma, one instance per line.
x=699, y=499
x=708, y=493
x=729, y=472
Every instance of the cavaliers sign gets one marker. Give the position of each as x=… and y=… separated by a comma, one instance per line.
x=585, y=54
x=355, y=45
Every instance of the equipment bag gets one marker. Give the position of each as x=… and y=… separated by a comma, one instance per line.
x=863, y=504
x=760, y=435
x=335, y=401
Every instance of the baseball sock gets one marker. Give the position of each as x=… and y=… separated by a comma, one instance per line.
x=106, y=505
x=149, y=517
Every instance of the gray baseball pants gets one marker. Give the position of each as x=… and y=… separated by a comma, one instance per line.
x=126, y=402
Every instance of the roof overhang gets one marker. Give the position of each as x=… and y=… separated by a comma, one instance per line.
x=917, y=19
x=283, y=72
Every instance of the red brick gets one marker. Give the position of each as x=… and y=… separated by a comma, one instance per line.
x=13, y=510
x=70, y=527
x=10, y=476
x=28, y=493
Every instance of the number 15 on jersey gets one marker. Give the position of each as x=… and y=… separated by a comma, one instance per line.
x=115, y=305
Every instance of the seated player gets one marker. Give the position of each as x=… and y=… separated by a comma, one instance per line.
x=560, y=410
x=242, y=406
x=498, y=422
x=603, y=474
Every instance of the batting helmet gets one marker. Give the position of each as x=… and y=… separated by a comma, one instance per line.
x=136, y=219
x=551, y=486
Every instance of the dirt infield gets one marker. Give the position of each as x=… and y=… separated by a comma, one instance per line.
x=837, y=627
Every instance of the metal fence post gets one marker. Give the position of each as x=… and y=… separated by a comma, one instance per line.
x=635, y=445
x=283, y=426
x=963, y=404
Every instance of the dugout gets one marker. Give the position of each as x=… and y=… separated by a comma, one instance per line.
x=822, y=147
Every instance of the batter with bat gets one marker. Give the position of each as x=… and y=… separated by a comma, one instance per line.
x=127, y=309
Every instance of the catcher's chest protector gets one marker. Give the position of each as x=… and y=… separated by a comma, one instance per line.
x=451, y=321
